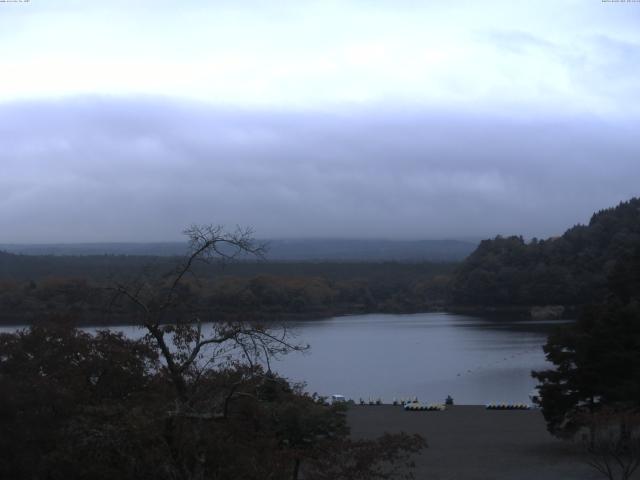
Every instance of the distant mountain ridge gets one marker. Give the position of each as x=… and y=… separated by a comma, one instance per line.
x=278, y=249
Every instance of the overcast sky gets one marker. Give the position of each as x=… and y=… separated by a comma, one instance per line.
x=127, y=121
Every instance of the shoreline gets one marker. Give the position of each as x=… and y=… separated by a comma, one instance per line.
x=512, y=312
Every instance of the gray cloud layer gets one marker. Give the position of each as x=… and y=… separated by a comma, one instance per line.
x=103, y=169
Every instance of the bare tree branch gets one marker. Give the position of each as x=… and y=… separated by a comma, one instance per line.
x=157, y=304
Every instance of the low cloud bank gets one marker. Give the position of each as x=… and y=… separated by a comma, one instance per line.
x=141, y=169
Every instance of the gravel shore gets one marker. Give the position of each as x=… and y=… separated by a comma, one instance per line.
x=472, y=443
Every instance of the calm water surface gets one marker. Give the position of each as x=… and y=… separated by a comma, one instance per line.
x=428, y=355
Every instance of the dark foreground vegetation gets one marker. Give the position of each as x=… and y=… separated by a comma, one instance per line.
x=184, y=402
x=104, y=407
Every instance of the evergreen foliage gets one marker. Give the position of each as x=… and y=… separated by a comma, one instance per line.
x=597, y=360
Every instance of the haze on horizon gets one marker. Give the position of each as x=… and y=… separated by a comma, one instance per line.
x=124, y=121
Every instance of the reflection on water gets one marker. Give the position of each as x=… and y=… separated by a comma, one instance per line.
x=428, y=355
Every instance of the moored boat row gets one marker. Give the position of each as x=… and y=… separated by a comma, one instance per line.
x=508, y=406
x=420, y=407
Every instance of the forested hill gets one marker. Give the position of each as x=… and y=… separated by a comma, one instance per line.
x=567, y=270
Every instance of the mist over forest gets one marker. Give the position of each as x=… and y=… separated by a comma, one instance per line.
x=279, y=249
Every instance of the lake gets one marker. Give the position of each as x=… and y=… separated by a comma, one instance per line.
x=428, y=355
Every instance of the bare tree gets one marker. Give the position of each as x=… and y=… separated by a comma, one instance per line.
x=188, y=349
x=219, y=394
x=613, y=443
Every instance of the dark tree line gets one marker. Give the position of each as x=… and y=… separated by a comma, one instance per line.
x=236, y=290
